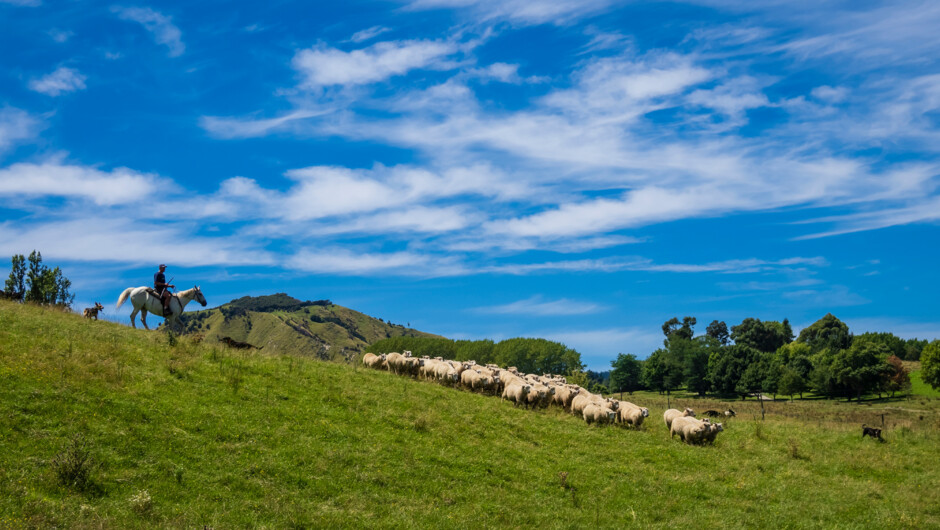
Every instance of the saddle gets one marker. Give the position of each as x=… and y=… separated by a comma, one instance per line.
x=153, y=292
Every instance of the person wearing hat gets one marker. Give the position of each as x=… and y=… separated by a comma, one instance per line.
x=163, y=289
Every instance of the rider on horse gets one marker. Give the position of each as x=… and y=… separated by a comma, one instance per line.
x=163, y=290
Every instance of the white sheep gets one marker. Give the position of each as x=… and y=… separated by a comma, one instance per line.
x=377, y=362
x=689, y=429
x=672, y=414
x=517, y=393
x=596, y=413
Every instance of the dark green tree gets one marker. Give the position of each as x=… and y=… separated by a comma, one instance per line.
x=673, y=328
x=718, y=330
x=913, y=349
x=861, y=367
x=626, y=373
x=693, y=355
x=930, y=364
x=896, y=345
x=827, y=332
x=16, y=283
x=791, y=382
x=662, y=371
x=762, y=336
x=39, y=284
x=726, y=367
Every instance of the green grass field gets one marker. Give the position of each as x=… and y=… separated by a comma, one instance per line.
x=187, y=435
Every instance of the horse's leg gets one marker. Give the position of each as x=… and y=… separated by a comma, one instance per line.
x=143, y=318
x=133, y=319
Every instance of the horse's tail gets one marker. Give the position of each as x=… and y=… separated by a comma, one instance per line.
x=123, y=297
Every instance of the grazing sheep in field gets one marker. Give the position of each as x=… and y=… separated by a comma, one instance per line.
x=517, y=393
x=595, y=413
x=689, y=429
x=395, y=362
x=564, y=395
x=630, y=414
x=713, y=430
x=540, y=395
x=581, y=400
x=445, y=373
x=410, y=366
x=374, y=361
x=672, y=414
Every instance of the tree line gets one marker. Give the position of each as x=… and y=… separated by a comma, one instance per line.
x=32, y=281
x=764, y=357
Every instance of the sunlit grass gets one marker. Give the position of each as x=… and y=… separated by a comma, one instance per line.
x=195, y=435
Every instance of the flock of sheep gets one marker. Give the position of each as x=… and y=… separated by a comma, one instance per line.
x=534, y=391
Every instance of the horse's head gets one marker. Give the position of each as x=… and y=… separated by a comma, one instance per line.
x=199, y=297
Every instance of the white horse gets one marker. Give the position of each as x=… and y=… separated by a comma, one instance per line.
x=144, y=301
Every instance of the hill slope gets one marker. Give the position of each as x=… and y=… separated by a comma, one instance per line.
x=279, y=323
x=186, y=434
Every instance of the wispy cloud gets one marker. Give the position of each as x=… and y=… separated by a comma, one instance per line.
x=368, y=33
x=520, y=11
x=537, y=306
x=16, y=126
x=58, y=179
x=60, y=81
x=161, y=26
x=325, y=66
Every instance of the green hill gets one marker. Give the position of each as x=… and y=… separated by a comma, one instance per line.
x=185, y=434
x=279, y=323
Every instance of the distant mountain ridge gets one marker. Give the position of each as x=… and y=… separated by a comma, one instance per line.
x=280, y=323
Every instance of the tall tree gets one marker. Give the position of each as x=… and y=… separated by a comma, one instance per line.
x=861, y=367
x=16, y=283
x=895, y=344
x=662, y=371
x=762, y=336
x=673, y=328
x=626, y=373
x=827, y=332
x=726, y=367
x=718, y=330
x=930, y=364
x=896, y=378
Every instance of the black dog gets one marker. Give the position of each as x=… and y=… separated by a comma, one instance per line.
x=872, y=432
x=711, y=413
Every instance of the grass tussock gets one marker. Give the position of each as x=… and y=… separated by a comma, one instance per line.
x=191, y=434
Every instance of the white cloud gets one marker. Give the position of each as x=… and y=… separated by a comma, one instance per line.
x=61, y=80
x=368, y=33
x=830, y=94
x=54, y=178
x=745, y=266
x=344, y=262
x=91, y=239
x=536, y=306
x=325, y=66
x=160, y=25
x=520, y=11
x=228, y=128
x=16, y=126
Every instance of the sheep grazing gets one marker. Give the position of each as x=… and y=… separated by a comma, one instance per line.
x=672, y=414
x=597, y=413
x=92, y=312
x=689, y=429
x=630, y=414
x=517, y=393
x=374, y=361
x=713, y=430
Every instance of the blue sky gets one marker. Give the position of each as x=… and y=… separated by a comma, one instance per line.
x=580, y=170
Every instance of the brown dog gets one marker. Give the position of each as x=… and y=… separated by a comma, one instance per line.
x=92, y=312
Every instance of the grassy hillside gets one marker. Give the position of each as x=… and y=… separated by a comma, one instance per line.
x=281, y=324
x=191, y=434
